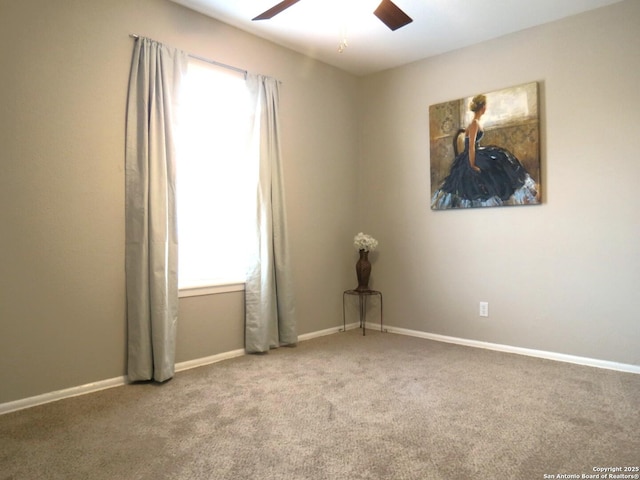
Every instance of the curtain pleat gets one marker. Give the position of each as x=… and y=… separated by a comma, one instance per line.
x=151, y=258
x=270, y=319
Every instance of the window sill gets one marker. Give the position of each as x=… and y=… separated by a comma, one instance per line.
x=200, y=290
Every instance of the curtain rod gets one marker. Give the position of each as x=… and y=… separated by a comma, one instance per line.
x=207, y=60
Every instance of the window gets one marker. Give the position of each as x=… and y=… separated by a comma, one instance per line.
x=214, y=187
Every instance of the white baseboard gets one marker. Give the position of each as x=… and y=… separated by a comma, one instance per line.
x=201, y=362
x=560, y=357
x=121, y=381
x=61, y=394
x=105, y=384
x=182, y=366
x=328, y=331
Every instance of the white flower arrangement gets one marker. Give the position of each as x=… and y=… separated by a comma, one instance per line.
x=363, y=241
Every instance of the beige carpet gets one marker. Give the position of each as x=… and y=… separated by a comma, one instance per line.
x=343, y=406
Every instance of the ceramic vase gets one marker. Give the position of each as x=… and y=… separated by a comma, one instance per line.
x=363, y=270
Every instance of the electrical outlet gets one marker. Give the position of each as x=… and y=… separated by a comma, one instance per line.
x=484, y=309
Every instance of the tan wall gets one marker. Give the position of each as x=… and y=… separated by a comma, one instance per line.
x=63, y=86
x=560, y=277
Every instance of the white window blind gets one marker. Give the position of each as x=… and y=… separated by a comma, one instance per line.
x=214, y=179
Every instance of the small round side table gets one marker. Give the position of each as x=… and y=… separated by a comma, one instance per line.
x=362, y=295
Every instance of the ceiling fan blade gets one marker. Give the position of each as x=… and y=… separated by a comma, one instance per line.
x=276, y=9
x=391, y=15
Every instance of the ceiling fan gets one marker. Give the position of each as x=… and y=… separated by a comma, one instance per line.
x=388, y=12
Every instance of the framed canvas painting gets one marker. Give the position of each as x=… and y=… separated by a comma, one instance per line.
x=485, y=150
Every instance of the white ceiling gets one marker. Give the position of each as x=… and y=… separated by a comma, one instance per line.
x=316, y=27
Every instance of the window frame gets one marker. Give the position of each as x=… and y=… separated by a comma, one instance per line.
x=215, y=284
x=197, y=291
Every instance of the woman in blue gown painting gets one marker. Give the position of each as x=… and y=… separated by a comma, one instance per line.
x=484, y=176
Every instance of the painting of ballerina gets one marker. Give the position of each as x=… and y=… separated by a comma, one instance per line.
x=485, y=150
